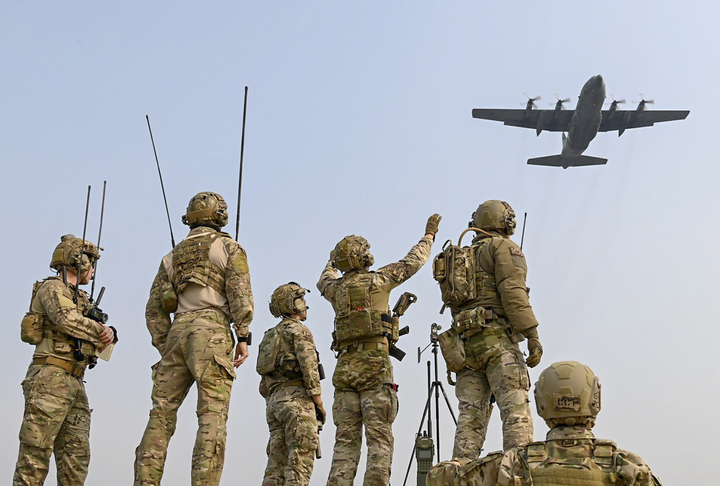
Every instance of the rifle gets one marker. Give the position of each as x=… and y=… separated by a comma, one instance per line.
x=405, y=301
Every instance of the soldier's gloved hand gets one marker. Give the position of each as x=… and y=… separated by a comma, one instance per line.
x=432, y=225
x=332, y=258
x=535, y=349
x=320, y=413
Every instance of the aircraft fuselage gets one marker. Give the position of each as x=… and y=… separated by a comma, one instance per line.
x=586, y=120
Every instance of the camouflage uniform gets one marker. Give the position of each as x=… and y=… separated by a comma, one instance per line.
x=570, y=456
x=208, y=272
x=57, y=415
x=290, y=411
x=363, y=379
x=494, y=363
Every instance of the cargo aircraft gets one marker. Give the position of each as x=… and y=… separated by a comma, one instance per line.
x=581, y=124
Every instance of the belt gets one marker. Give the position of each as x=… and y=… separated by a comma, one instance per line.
x=373, y=343
x=76, y=370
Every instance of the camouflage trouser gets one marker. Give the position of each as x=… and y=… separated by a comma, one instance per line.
x=198, y=350
x=56, y=420
x=363, y=396
x=498, y=370
x=293, y=427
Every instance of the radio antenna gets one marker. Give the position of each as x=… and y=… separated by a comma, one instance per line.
x=242, y=152
x=162, y=186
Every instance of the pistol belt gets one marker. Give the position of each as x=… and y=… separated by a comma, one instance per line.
x=77, y=370
x=364, y=344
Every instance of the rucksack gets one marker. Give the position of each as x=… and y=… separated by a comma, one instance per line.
x=454, y=271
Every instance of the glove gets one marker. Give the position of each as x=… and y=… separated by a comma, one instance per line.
x=320, y=414
x=535, y=349
x=433, y=223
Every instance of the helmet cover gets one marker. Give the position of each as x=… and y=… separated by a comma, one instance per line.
x=288, y=299
x=568, y=393
x=72, y=253
x=494, y=215
x=206, y=208
x=353, y=252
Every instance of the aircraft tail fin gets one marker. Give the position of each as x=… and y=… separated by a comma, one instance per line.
x=565, y=161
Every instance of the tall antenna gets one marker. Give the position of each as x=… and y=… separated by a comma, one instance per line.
x=242, y=152
x=172, y=238
x=102, y=214
x=522, y=238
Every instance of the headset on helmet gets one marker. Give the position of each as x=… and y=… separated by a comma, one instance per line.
x=288, y=299
x=206, y=208
x=568, y=393
x=494, y=215
x=353, y=252
x=71, y=253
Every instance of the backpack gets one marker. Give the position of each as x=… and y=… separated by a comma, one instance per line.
x=268, y=352
x=454, y=271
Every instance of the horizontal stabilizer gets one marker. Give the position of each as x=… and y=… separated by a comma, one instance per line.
x=567, y=161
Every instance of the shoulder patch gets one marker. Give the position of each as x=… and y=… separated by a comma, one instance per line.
x=240, y=262
x=516, y=251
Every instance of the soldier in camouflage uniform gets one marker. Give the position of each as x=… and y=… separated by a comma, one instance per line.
x=57, y=415
x=365, y=393
x=490, y=326
x=289, y=366
x=567, y=396
x=205, y=282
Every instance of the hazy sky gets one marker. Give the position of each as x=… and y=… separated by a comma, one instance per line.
x=359, y=122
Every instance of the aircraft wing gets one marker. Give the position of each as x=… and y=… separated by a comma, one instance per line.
x=549, y=120
x=617, y=120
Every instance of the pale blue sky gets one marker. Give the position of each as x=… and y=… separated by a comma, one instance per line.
x=359, y=122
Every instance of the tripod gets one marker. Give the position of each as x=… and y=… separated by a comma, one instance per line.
x=425, y=452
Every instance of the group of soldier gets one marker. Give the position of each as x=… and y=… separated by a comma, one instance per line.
x=202, y=292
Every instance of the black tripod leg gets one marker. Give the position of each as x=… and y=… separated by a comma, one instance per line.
x=452, y=414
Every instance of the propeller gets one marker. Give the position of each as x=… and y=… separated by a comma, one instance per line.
x=643, y=101
x=559, y=103
x=530, y=104
x=614, y=103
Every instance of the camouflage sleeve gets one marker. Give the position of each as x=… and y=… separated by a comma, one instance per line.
x=306, y=354
x=392, y=275
x=632, y=470
x=237, y=288
x=57, y=300
x=327, y=277
x=156, y=319
x=510, y=274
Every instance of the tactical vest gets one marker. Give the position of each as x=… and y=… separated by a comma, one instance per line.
x=485, y=285
x=596, y=470
x=191, y=264
x=359, y=309
x=61, y=344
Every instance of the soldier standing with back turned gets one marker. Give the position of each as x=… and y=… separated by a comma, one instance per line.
x=205, y=282
x=365, y=393
x=490, y=326
x=290, y=369
x=57, y=415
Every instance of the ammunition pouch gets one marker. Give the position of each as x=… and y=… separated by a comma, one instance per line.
x=31, y=328
x=453, y=350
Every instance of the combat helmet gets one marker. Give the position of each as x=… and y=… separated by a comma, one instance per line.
x=568, y=393
x=353, y=252
x=206, y=209
x=288, y=299
x=494, y=215
x=72, y=253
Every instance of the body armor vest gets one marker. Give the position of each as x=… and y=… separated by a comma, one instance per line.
x=593, y=469
x=275, y=354
x=359, y=308
x=191, y=264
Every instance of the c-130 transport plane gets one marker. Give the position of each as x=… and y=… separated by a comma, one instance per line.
x=581, y=124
